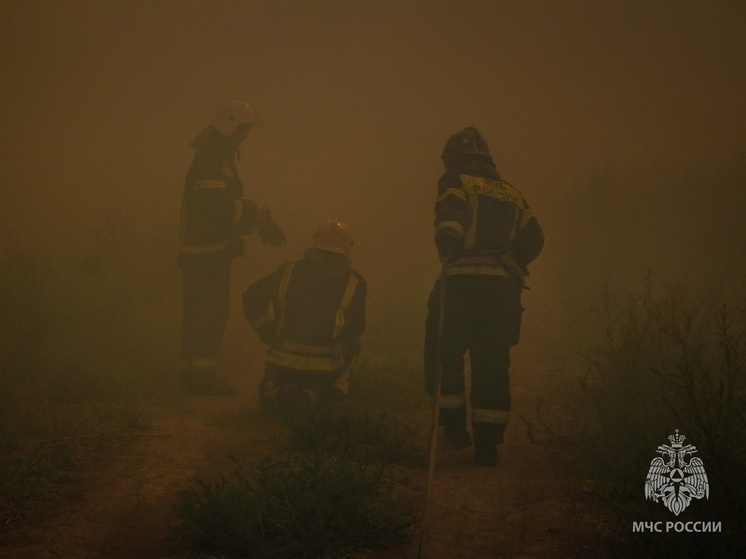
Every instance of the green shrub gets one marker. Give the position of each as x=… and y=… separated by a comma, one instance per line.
x=665, y=363
x=294, y=505
x=360, y=436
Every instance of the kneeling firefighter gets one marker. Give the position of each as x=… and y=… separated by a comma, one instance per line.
x=311, y=314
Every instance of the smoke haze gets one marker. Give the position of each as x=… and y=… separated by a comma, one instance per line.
x=621, y=123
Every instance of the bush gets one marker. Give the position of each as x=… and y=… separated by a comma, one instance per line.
x=325, y=492
x=294, y=505
x=358, y=436
x=666, y=363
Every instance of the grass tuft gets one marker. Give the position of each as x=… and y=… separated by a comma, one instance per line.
x=294, y=505
x=357, y=435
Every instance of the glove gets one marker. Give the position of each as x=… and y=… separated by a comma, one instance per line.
x=449, y=248
x=269, y=232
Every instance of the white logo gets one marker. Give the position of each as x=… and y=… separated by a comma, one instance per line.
x=675, y=480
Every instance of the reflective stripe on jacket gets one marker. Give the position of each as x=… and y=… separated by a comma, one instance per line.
x=213, y=212
x=310, y=312
x=489, y=216
x=307, y=357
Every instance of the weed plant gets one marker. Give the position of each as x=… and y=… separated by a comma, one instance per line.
x=364, y=437
x=295, y=505
x=71, y=366
x=667, y=362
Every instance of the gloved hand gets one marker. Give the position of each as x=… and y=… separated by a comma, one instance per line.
x=269, y=232
x=449, y=248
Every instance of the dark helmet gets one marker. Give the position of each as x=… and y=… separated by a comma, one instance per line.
x=467, y=142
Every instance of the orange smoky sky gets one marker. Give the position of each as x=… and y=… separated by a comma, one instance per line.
x=100, y=101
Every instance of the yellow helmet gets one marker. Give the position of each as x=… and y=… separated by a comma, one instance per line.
x=234, y=112
x=333, y=235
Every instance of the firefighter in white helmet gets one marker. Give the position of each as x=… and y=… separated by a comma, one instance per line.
x=311, y=314
x=214, y=218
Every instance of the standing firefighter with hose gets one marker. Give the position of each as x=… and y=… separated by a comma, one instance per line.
x=214, y=217
x=311, y=314
x=486, y=235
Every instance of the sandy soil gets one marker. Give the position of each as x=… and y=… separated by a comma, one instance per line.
x=121, y=507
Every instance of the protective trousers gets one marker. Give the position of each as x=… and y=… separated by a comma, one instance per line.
x=205, y=300
x=483, y=317
x=322, y=387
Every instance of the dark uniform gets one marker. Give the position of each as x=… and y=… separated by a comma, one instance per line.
x=214, y=217
x=486, y=235
x=311, y=314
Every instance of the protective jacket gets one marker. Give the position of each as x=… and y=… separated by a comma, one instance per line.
x=214, y=215
x=310, y=312
x=489, y=219
x=486, y=234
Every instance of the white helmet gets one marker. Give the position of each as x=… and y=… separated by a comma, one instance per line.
x=234, y=112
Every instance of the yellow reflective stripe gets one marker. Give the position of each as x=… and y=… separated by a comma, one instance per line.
x=457, y=192
x=452, y=401
x=346, y=298
x=206, y=249
x=343, y=382
x=282, y=294
x=294, y=347
x=486, y=415
x=207, y=184
x=238, y=211
x=471, y=234
x=202, y=363
x=451, y=225
x=499, y=190
x=305, y=362
x=477, y=271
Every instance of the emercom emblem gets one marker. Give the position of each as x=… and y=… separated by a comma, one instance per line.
x=676, y=477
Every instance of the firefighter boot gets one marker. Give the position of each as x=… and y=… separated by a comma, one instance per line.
x=486, y=438
x=485, y=455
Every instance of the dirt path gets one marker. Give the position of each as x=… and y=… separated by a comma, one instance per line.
x=524, y=508
x=122, y=507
